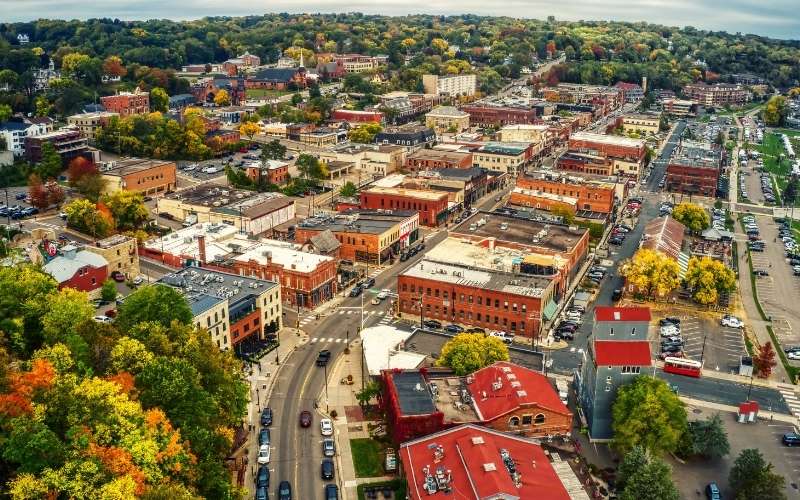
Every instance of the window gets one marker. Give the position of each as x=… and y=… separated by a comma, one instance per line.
x=538, y=419
x=630, y=370
x=527, y=419
x=480, y=300
x=513, y=422
x=611, y=331
x=633, y=331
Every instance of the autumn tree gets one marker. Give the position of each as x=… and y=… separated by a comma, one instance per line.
x=752, y=477
x=651, y=272
x=764, y=361
x=692, y=216
x=84, y=216
x=36, y=192
x=647, y=413
x=364, y=133
x=128, y=208
x=5, y=112
x=707, y=278
x=222, y=98
x=159, y=100
x=249, y=129
x=468, y=352
x=112, y=66
x=776, y=111
x=155, y=303
x=83, y=176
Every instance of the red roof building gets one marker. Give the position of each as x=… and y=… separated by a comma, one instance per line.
x=622, y=353
x=602, y=313
x=471, y=462
x=354, y=116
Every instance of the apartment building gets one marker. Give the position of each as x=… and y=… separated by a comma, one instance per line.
x=484, y=114
x=717, y=95
x=453, y=86
x=127, y=103
x=89, y=123
x=434, y=159
x=625, y=155
x=505, y=157
x=579, y=197
x=431, y=205
x=641, y=123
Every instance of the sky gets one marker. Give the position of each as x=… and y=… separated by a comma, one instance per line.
x=775, y=18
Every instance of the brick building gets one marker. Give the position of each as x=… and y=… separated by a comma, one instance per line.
x=365, y=235
x=275, y=172
x=80, y=269
x=506, y=157
x=143, y=176
x=717, y=95
x=545, y=192
x=354, y=116
x=406, y=135
x=488, y=115
x=626, y=156
x=121, y=252
x=90, y=123
x=432, y=206
x=127, y=103
x=243, y=62
x=69, y=143
x=435, y=159
x=694, y=168
x=631, y=92
x=504, y=396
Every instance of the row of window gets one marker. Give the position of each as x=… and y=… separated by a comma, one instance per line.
x=464, y=299
x=465, y=316
x=538, y=419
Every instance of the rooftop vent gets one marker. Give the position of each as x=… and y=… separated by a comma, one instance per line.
x=490, y=467
x=477, y=440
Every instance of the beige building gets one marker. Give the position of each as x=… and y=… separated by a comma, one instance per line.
x=274, y=130
x=642, y=124
x=122, y=254
x=447, y=119
x=539, y=136
x=507, y=157
x=90, y=123
x=370, y=159
x=454, y=85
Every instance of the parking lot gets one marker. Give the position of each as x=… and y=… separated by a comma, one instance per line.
x=720, y=347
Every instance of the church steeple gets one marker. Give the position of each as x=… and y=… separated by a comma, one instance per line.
x=301, y=59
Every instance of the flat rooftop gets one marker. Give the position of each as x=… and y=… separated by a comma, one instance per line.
x=447, y=399
x=695, y=154
x=239, y=202
x=112, y=241
x=577, y=178
x=205, y=288
x=505, y=148
x=420, y=194
x=224, y=243
x=133, y=165
x=438, y=155
x=413, y=394
x=608, y=139
x=553, y=237
x=453, y=249
x=357, y=221
x=447, y=112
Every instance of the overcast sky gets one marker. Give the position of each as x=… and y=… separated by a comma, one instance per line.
x=777, y=18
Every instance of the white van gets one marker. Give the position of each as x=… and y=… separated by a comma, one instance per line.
x=563, y=390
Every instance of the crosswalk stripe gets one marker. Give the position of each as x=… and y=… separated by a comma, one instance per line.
x=312, y=341
x=341, y=312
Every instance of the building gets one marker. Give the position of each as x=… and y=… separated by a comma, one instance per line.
x=435, y=159
x=617, y=354
x=68, y=143
x=717, y=95
x=205, y=90
x=272, y=172
x=80, y=269
x=624, y=155
x=432, y=206
x=382, y=349
x=127, y=103
x=370, y=236
x=471, y=182
x=641, y=123
x=278, y=78
x=407, y=135
x=447, y=119
x=601, y=99
x=243, y=62
x=506, y=157
x=678, y=107
x=631, y=92
x=453, y=86
x=694, y=168
x=235, y=310
x=14, y=133
x=306, y=279
x=180, y=102
x=369, y=159
x=537, y=134
x=585, y=199
x=148, y=177
x=90, y=123
x=504, y=397
x=253, y=213
x=323, y=136
x=402, y=107
x=355, y=63
x=354, y=116
x=121, y=253
x=489, y=114
x=474, y=463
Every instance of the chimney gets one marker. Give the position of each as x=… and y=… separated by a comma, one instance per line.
x=201, y=247
x=491, y=245
x=644, y=83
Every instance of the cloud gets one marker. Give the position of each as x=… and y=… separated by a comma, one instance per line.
x=777, y=18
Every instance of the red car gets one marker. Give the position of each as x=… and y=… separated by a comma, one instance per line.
x=305, y=418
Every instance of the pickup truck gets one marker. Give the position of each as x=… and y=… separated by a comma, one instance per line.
x=323, y=357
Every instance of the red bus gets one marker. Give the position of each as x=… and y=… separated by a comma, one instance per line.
x=681, y=366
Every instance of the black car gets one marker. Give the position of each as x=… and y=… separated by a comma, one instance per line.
x=323, y=357
x=331, y=492
x=669, y=321
x=368, y=283
x=284, y=491
x=616, y=295
x=327, y=469
x=262, y=478
x=616, y=241
x=791, y=439
x=263, y=437
x=356, y=291
x=432, y=323
x=760, y=272
x=453, y=329
x=266, y=417
x=564, y=334
x=403, y=257
x=670, y=348
x=261, y=493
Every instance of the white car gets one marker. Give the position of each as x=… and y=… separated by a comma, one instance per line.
x=731, y=322
x=793, y=355
x=102, y=319
x=670, y=331
x=190, y=168
x=573, y=315
x=326, y=427
x=263, y=454
x=384, y=293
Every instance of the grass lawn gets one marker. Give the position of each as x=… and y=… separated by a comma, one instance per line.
x=367, y=457
x=265, y=93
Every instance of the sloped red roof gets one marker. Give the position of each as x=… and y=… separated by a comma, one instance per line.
x=471, y=456
x=622, y=353
x=622, y=314
x=517, y=386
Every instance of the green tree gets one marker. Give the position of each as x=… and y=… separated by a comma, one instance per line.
x=127, y=208
x=296, y=99
x=653, y=481
x=109, y=291
x=159, y=304
x=692, y=216
x=776, y=111
x=790, y=191
x=83, y=215
x=273, y=150
x=310, y=167
x=706, y=438
x=348, y=190
x=129, y=355
x=365, y=395
x=49, y=166
x=752, y=477
x=5, y=112
x=647, y=413
x=707, y=278
x=159, y=100
x=24, y=296
x=32, y=445
x=468, y=352
x=66, y=310
x=632, y=462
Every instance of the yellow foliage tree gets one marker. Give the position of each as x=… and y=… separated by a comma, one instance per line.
x=651, y=272
x=249, y=129
x=467, y=352
x=707, y=278
x=691, y=215
x=222, y=98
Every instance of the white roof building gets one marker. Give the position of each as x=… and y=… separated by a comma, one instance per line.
x=382, y=348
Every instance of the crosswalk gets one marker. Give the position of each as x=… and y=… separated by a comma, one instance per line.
x=790, y=396
x=341, y=312
x=323, y=340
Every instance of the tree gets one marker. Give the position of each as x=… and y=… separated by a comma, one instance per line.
x=632, y=462
x=127, y=208
x=561, y=211
x=84, y=177
x=707, y=278
x=155, y=303
x=653, y=481
x=692, y=216
x=36, y=192
x=5, y=112
x=50, y=165
x=706, y=438
x=112, y=66
x=108, y=292
x=752, y=477
x=159, y=100
x=249, y=129
x=129, y=355
x=790, y=192
x=776, y=111
x=273, y=150
x=764, y=360
x=467, y=352
x=74, y=64
x=348, y=190
x=32, y=445
x=364, y=133
x=369, y=391
x=647, y=413
x=651, y=272
x=310, y=167
x=222, y=98
x=54, y=192
x=296, y=99
x=84, y=216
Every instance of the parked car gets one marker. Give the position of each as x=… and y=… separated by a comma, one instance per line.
x=731, y=321
x=326, y=427
x=305, y=418
x=118, y=277
x=368, y=283
x=433, y=324
x=264, y=454
x=615, y=241
x=505, y=337
x=284, y=491
x=670, y=321
x=356, y=291
x=266, y=416
x=328, y=447
x=670, y=348
x=327, y=470
x=616, y=294
x=261, y=493
x=262, y=477
x=453, y=328
x=102, y=319
x=264, y=437
x=331, y=492
x=384, y=293
x=760, y=272
x=665, y=355
x=791, y=439
x=712, y=492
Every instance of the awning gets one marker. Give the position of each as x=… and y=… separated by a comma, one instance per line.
x=539, y=259
x=550, y=309
x=683, y=263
